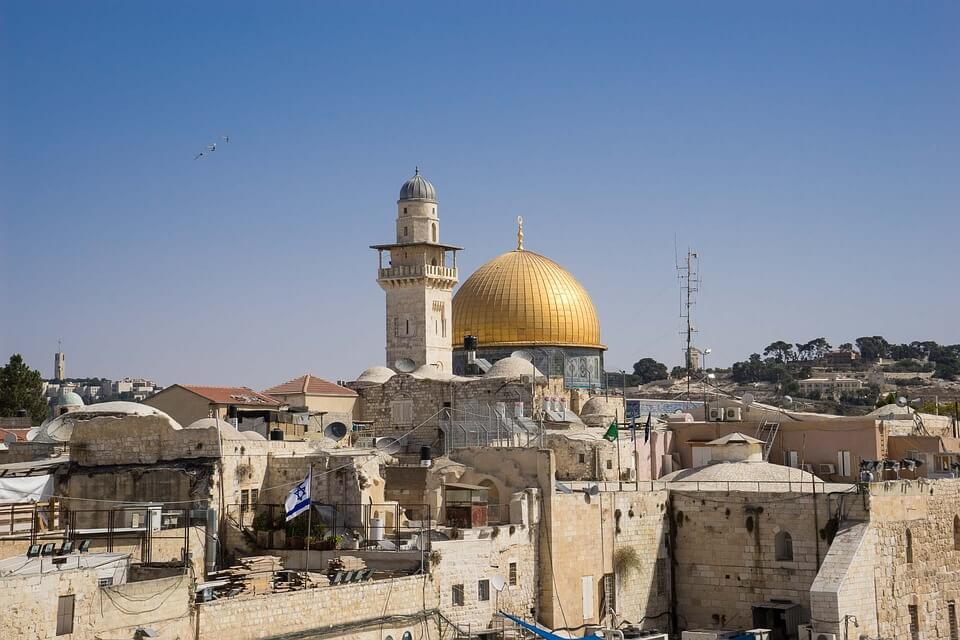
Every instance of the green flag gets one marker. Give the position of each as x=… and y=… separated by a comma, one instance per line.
x=612, y=433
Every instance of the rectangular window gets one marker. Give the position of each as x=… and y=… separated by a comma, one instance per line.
x=914, y=622
x=609, y=464
x=582, y=458
x=513, y=573
x=483, y=590
x=401, y=412
x=244, y=500
x=254, y=497
x=843, y=463
x=457, y=595
x=586, y=590
x=65, y=615
x=105, y=582
x=952, y=618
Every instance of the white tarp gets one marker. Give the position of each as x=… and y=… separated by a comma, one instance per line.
x=26, y=489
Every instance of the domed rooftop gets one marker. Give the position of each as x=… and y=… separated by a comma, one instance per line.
x=418, y=188
x=60, y=429
x=376, y=375
x=69, y=399
x=227, y=430
x=512, y=367
x=523, y=298
x=744, y=476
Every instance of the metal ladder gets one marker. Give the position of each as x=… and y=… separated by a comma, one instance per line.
x=767, y=431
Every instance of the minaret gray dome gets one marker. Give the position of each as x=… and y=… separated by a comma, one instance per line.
x=418, y=188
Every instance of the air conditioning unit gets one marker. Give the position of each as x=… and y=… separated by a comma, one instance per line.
x=807, y=467
x=826, y=469
x=716, y=414
x=734, y=414
x=807, y=632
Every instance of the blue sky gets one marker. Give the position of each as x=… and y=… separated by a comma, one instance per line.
x=808, y=151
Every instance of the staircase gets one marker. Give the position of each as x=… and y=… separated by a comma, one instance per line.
x=767, y=432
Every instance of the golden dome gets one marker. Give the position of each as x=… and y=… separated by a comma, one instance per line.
x=522, y=298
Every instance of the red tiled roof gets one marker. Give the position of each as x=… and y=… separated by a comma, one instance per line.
x=19, y=434
x=232, y=395
x=311, y=385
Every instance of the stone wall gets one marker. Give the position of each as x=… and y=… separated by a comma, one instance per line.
x=581, y=535
x=725, y=551
x=466, y=562
x=928, y=580
x=361, y=606
x=30, y=605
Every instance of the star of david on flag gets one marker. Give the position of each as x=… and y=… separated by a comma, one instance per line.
x=298, y=500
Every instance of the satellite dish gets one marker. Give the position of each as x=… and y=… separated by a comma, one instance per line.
x=335, y=431
x=592, y=490
x=523, y=355
x=747, y=399
x=498, y=582
x=787, y=400
x=9, y=438
x=32, y=433
x=391, y=446
x=562, y=488
x=404, y=365
x=901, y=401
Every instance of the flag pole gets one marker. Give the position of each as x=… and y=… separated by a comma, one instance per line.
x=619, y=472
x=636, y=456
x=306, y=567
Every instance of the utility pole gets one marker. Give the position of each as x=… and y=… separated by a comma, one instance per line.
x=688, y=274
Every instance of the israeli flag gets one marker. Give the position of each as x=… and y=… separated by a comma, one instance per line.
x=298, y=500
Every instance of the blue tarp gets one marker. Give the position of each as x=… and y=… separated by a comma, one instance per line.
x=543, y=633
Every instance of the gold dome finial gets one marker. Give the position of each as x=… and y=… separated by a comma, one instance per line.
x=519, y=233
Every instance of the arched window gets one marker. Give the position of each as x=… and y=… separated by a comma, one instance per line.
x=783, y=546
x=909, y=541
x=434, y=226
x=956, y=533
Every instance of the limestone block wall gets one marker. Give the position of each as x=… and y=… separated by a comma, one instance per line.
x=580, y=536
x=928, y=577
x=30, y=606
x=138, y=440
x=356, y=608
x=842, y=598
x=725, y=553
x=466, y=562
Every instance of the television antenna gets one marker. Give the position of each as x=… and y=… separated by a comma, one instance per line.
x=688, y=274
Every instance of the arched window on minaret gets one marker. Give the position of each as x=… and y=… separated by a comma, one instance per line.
x=434, y=226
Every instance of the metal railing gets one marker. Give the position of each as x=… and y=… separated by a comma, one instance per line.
x=483, y=425
x=384, y=527
x=799, y=486
x=416, y=271
x=30, y=519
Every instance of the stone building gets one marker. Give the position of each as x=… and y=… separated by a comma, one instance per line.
x=418, y=282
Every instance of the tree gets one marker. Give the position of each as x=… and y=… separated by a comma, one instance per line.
x=873, y=347
x=648, y=370
x=780, y=350
x=21, y=388
x=678, y=372
x=846, y=346
x=947, y=368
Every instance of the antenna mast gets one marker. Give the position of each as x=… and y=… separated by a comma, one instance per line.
x=688, y=273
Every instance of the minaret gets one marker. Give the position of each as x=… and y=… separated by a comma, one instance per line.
x=59, y=364
x=418, y=281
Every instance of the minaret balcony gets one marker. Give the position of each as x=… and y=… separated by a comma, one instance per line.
x=408, y=271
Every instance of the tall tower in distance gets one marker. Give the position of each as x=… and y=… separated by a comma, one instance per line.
x=59, y=363
x=418, y=280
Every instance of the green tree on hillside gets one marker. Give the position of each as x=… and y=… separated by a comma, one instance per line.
x=648, y=370
x=21, y=388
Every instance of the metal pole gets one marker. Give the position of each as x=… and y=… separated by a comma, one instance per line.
x=306, y=566
x=619, y=471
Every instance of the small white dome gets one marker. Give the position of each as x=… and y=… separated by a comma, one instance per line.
x=377, y=375
x=512, y=367
x=227, y=430
x=69, y=399
x=60, y=429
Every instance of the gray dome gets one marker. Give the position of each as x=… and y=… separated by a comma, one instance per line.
x=418, y=188
x=69, y=399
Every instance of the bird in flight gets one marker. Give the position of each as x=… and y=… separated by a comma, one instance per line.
x=211, y=148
